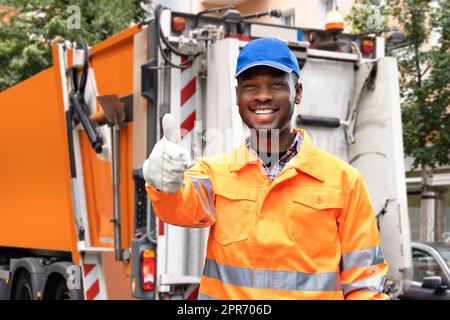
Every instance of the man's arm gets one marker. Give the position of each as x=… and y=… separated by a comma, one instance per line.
x=192, y=205
x=363, y=267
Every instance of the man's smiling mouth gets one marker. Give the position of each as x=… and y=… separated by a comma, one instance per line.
x=262, y=110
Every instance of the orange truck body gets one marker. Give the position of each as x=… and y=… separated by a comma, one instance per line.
x=36, y=205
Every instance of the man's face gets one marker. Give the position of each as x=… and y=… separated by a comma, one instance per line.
x=266, y=98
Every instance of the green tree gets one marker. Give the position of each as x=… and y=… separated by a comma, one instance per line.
x=367, y=15
x=32, y=27
x=425, y=72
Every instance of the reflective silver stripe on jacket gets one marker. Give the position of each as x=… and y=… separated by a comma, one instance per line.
x=208, y=204
x=362, y=258
x=374, y=284
x=273, y=279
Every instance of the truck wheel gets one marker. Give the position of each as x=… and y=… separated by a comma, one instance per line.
x=23, y=288
x=56, y=289
x=62, y=292
x=58, y=282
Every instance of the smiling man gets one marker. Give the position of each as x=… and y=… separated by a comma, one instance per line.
x=288, y=220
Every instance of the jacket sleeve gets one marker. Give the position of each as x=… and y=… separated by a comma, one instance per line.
x=363, y=268
x=193, y=204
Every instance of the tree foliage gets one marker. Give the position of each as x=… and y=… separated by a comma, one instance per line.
x=367, y=15
x=31, y=27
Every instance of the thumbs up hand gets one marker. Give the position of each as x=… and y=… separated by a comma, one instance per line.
x=164, y=168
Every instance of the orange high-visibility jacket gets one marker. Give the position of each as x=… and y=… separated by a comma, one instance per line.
x=309, y=234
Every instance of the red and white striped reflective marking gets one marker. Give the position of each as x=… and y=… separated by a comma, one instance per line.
x=192, y=292
x=188, y=81
x=91, y=281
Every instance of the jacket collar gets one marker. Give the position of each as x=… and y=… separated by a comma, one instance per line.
x=307, y=160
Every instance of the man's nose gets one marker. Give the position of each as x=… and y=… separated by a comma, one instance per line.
x=263, y=94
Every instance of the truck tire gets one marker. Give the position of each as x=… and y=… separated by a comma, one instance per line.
x=62, y=292
x=28, y=275
x=23, y=289
x=56, y=285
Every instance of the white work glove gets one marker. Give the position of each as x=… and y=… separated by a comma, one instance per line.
x=164, y=168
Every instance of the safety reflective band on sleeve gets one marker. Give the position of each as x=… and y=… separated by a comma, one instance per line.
x=272, y=279
x=362, y=258
x=207, y=186
x=197, y=188
x=374, y=284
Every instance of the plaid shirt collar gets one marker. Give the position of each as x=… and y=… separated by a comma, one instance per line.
x=291, y=152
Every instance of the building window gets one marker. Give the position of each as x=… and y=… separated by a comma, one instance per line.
x=441, y=213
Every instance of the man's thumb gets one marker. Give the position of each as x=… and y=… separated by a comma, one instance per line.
x=171, y=129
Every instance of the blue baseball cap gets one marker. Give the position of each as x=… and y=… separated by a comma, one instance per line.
x=267, y=52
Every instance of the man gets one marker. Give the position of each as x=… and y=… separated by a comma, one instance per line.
x=288, y=220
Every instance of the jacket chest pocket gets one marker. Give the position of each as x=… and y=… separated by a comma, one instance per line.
x=314, y=218
x=236, y=210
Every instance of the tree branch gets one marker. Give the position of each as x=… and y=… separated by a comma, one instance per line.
x=426, y=70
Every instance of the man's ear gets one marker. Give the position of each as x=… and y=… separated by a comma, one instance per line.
x=237, y=94
x=298, y=93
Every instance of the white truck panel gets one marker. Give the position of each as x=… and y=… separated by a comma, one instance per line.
x=327, y=89
x=378, y=154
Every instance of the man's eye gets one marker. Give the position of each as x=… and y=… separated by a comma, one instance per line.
x=278, y=84
x=250, y=86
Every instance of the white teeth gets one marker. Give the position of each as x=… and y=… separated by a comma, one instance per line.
x=264, y=111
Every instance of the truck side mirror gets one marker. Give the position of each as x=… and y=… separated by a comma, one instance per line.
x=433, y=282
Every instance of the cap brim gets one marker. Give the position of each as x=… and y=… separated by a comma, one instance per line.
x=272, y=64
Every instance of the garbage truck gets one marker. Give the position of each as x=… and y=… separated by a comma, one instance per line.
x=78, y=132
